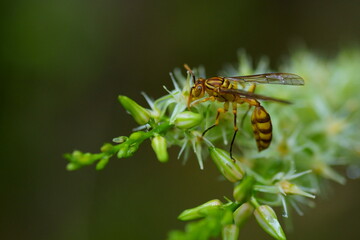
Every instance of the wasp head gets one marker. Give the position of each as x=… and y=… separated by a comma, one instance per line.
x=197, y=91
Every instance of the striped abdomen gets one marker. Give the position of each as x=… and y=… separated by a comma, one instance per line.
x=262, y=128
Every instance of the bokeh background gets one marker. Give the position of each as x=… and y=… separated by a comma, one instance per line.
x=65, y=62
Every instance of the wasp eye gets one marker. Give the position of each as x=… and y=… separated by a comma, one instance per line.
x=197, y=91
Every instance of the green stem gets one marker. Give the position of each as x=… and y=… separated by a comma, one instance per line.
x=133, y=143
x=254, y=202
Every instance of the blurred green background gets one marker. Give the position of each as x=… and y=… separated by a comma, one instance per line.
x=64, y=64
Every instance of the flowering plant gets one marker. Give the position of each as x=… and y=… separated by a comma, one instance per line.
x=311, y=136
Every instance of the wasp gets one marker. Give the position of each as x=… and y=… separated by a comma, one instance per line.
x=226, y=90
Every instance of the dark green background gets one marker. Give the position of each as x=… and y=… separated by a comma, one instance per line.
x=65, y=62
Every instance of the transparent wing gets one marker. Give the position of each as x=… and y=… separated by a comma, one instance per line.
x=270, y=78
x=245, y=94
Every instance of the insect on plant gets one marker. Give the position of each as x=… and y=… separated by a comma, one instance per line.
x=226, y=90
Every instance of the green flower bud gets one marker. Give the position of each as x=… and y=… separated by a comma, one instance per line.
x=136, y=135
x=73, y=157
x=268, y=221
x=106, y=147
x=242, y=214
x=187, y=120
x=120, y=139
x=241, y=191
x=82, y=158
x=123, y=151
x=72, y=166
x=159, y=146
x=200, y=211
x=79, y=159
x=140, y=114
x=230, y=169
x=227, y=217
x=102, y=163
x=230, y=232
x=132, y=149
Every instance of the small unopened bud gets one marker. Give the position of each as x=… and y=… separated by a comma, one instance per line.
x=241, y=191
x=200, y=211
x=78, y=159
x=123, y=151
x=230, y=232
x=127, y=150
x=102, y=163
x=132, y=149
x=72, y=166
x=159, y=146
x=120, y=139
x=268, y=221
x=83, y=158
x=242, y=214
x=137, y=135
x=106, y=147
x=140, y=114
x=227, y=217
x=230, y=169
x=187, y=120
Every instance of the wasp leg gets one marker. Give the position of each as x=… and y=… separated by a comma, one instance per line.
x=251, y=88
x=234, y=106
x=236, y=129
x=219, y=111
x=212, y=98
x=244, y=116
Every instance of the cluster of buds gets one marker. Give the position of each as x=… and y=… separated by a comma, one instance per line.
x=232, y=216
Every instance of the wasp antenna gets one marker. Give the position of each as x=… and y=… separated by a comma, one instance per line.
x=189, y=99
x=190, y=71
x=187, y=67
x=283, y=101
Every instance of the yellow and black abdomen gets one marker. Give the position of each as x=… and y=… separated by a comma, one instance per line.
x=262, y=127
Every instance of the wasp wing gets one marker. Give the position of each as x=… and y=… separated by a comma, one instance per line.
x=246, y=94
x=270, y=78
